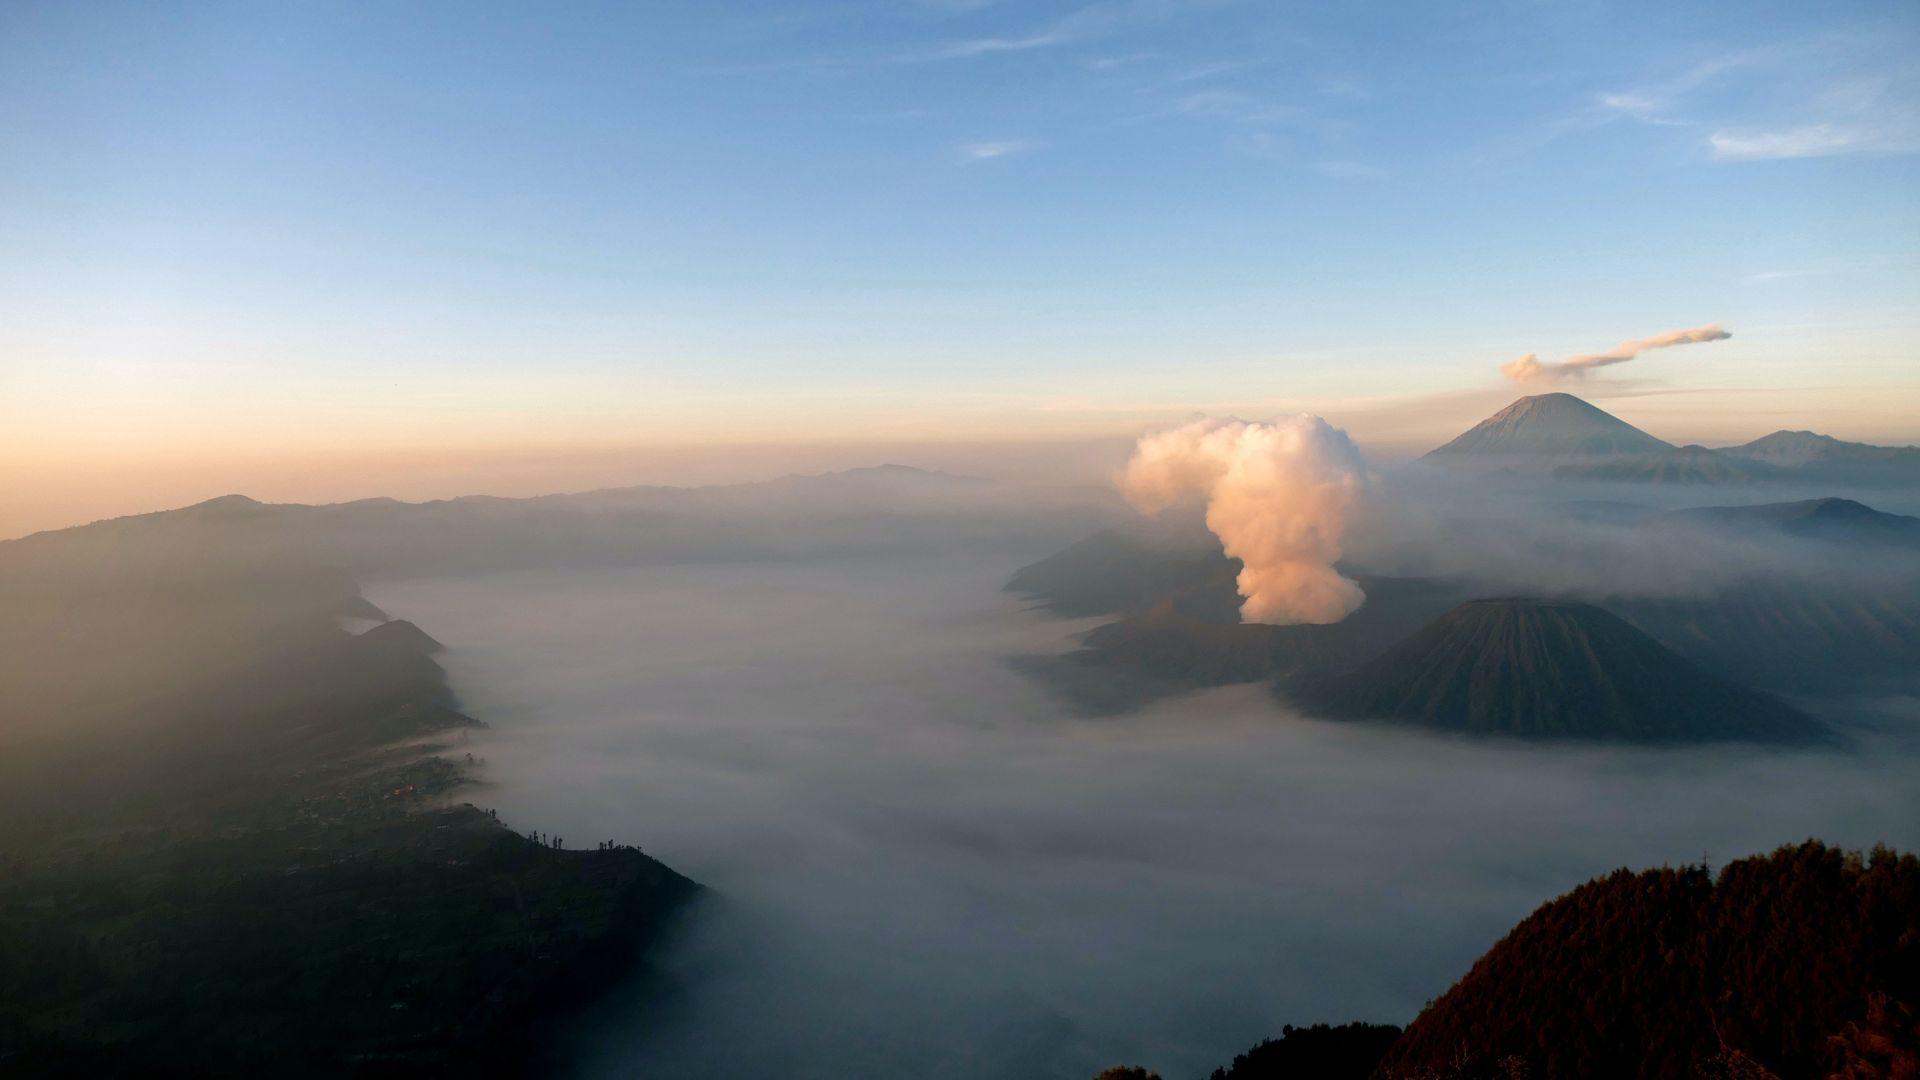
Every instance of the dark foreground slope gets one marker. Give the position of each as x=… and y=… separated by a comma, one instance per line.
x=1799, y=964
x=1550, y=668
x=253, y=859
x=1320, y=1051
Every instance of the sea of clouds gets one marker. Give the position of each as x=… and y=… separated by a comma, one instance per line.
x=922, y=865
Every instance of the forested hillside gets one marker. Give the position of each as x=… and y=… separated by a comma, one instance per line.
x=1801, y=963
x=264, y=861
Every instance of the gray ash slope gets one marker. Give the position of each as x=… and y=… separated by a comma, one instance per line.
x=1551, y=669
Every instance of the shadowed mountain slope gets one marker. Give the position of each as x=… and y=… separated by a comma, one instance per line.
x=1195, y=639
x=1126, y=568
x=1831, y=520
x=232, y=841
x=1804, y=449
x=402, y=636
x=1684, y=465
x=882, y=510
x=1793, y=636
x=1550, y=669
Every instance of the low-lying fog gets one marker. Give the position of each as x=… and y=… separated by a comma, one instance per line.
x=925, y=866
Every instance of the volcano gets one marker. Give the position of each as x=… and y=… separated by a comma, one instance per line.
x=1551, y=669
x=1548, y=429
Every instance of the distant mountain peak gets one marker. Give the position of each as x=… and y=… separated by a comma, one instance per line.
x=402, y=636
x=1550, y=427
x=890, y=476
x=225, y=504
x=1557, y=399
x=1798, y=448
x=1835, y=507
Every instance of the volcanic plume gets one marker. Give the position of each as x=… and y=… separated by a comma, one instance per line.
x=1280, y=496
x=1530, y=368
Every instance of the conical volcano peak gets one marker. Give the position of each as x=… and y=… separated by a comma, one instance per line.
x=1551, y=427
x=1557, y=401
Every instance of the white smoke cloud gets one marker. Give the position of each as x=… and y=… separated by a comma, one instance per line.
x=1530, y=368
x=1280, y=496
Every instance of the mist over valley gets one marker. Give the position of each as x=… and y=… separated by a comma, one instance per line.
x=919, y=852
x=897, y=771
x=859, y=539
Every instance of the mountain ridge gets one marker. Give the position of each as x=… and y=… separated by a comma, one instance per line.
x=1573, y=439
x=1830, y=519
x=1789, y=447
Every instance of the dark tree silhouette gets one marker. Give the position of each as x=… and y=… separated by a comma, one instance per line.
x=1320, y=1052
x=1803, y=962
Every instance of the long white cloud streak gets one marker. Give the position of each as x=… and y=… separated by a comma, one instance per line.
x=1530, y=368
x=1279, y=495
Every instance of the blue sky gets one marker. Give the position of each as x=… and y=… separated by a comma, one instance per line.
x=235, y=225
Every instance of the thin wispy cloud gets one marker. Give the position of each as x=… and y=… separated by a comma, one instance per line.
x=1812, y=140
x=1655, y=102
x=1210, y=71
x=1349, y=170
x=987, y=151
x=1776, y=275
x=1652, y=102
x=1340, y=86
x=1088, y=23
x=1860, y=98
x=960, y=50
x=1817, y=98
x=1647, y=110
x=1239, y=107
x=956, y=6
x=1109, y=63
x=1091, y=23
